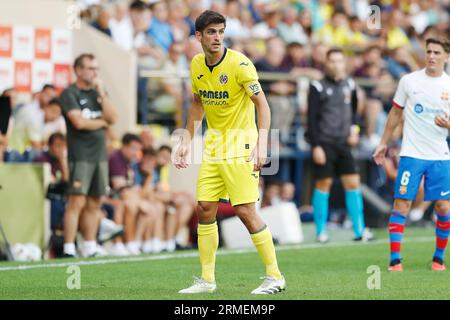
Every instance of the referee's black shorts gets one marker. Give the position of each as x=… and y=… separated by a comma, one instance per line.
x=339, y=161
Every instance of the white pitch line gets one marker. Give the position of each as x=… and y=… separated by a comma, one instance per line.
x=223, y=252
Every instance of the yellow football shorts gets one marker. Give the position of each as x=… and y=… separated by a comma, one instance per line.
x=232, y=179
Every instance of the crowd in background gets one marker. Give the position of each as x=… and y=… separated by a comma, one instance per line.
x=283, y=37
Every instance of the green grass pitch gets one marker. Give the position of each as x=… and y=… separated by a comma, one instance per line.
x=331, y=271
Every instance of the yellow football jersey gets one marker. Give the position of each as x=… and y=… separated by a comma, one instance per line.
x=225, y=90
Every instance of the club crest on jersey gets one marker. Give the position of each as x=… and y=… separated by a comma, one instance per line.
x=403, y=189
x=223, y=79
x=444, y=96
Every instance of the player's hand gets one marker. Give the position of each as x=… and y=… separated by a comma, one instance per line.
x=442, y=121
x=180, y=159
x=379, y=156
x=319, y=156
x=259, y=157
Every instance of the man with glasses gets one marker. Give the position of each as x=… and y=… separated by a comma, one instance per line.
x=88, y=112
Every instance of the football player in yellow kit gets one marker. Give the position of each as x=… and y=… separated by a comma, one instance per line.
x=226, y=90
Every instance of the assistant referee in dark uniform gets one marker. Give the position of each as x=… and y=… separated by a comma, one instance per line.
x=332, y=132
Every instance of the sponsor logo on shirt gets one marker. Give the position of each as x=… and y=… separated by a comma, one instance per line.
x=444, y=96
x=90, y=114
x=199, y=77
x=418, y=108
x=214, y=94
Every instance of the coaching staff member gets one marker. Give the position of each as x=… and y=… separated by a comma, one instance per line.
x=88, y=112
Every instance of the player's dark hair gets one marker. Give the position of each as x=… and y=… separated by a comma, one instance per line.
x=208, y=17
x=334, y=50
x=56, y=136
x=78, y=63
x=138, y=5
x=443, y=42
x=165, y=147
x=129, y=138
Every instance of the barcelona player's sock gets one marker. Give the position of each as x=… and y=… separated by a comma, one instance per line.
x=320, y=206
x=354, y=203
x=396, y=229
x=208, y=242
x=264, y=245
x=442, y=233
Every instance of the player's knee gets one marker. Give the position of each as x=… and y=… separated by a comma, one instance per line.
x=245, y=213
x=442, y=207
x=205, y=212
x=402, y=206
x=324, y=185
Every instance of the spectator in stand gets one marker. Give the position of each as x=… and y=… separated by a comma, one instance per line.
x=357, y=37
x=121, y=26
x=103, y=20
x=235, y=28
x=400, y=62
x=139, y=213
x=160, y=30
x=296, y=61
x=88, y=112
x=319, y=56
x=56, y=156
x=336, y=32
x=268, y=27
x=395, y=35
x=290, y=30
x=53, y=119
x=145, y=179
x=279, y=93
x=150, y=56
x=287, y=192
x=27, y=129
x=271, y=194
x=180, y=28
x=180, y=204
x=173, y=88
